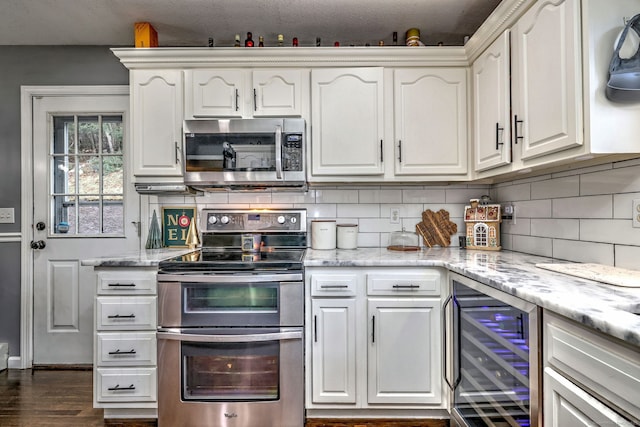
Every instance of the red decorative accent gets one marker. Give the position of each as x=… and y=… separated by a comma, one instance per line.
x=184, y=221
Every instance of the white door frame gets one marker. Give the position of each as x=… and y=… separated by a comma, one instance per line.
x=27, y=94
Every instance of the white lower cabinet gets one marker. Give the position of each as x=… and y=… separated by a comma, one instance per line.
x=125, y=379
x=373, y=340
x=589, y=379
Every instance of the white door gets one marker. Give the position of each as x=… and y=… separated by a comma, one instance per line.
x=430, y=109
x=347, y=125
x=492, y=103
x=404, y=351
x=84, y=207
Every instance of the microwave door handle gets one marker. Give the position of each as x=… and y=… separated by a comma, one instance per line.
x=175, y=334
x=278, y=152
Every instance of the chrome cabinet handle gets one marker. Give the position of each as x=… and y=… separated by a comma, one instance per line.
x=515, y=128
x=118, y=352
x=498, y=130
x=118, y=388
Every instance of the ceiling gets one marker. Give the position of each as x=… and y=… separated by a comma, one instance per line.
x=193, y=22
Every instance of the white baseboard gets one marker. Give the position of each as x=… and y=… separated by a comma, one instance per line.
x=15, y=362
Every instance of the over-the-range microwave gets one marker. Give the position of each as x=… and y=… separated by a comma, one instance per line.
x=244, y=153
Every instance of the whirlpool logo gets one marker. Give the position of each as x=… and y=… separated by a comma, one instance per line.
x=231, y=415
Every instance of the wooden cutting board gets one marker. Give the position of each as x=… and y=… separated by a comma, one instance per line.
x=601, y=273
x=436, y=229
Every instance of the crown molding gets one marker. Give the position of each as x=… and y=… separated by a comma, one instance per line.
x=397, y=56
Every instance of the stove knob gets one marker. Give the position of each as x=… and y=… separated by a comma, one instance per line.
x=213, y=219
x=293, y=220
x=224, y=220
x=281, y=219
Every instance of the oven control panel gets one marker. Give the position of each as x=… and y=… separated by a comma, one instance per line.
x=254, y=220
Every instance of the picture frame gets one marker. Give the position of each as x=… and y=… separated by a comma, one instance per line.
x=175, y=225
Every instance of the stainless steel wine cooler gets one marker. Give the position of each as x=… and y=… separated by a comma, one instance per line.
x=492, y=367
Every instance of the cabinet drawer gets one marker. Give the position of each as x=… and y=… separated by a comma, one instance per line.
x=126, y=313
x=126, y=282
x=126, y=349
x=601, y=365
x=126, y=385
x=418, y=283
x=327, y=284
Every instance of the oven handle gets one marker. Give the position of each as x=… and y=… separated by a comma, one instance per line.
x=278, y=152
x=174, y=334
x=228, y=278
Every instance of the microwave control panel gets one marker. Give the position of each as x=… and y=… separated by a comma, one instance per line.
x=292, y=152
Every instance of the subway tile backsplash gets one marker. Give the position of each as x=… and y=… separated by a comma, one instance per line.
x=582, y=215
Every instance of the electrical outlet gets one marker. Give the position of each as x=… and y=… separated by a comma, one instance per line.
x=394, y=216
x=509, y=213
x=635, y=214
x=7, y=216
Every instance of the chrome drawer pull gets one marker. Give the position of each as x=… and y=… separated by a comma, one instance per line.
x=122, y=285
x=120, y=316
x=118, y=352
x=118, y=388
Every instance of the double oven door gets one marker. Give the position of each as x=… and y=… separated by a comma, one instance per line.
x=230, y=350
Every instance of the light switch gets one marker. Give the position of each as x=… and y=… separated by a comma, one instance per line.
x=7, y=216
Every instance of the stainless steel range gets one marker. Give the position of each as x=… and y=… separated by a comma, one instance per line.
x=230, y=316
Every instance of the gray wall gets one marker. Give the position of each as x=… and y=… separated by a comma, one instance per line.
x=33, y=66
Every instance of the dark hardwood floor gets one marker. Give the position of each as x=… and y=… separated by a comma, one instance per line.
x=56, y=398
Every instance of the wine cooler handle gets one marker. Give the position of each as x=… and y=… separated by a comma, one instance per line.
x=444, y=340
x=457, y=346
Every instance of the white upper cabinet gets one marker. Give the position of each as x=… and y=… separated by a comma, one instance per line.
x=156, y=118
x=243, y=93
x=430, y=110
x=547, y=80
x=491, y=106
x=347, y=122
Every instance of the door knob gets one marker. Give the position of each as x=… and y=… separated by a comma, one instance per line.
x=40, y=226
x=40, y=244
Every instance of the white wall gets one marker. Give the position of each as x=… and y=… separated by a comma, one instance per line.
x=582, y=215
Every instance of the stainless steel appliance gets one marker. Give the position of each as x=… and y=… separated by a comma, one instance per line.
x=230, y=335
x=244, y=153
x=495, y=359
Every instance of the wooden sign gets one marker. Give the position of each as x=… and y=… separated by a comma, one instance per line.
x=175, y=225
x=436, y=228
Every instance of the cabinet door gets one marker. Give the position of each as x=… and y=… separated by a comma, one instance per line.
x=567, y=405
x=347, y=121
x=547, y=82
x=333, y=355
x=404, y=351
x=430, y=108
x=277, y=93
x=156, y=117
x=214, y=93
x=491, y=106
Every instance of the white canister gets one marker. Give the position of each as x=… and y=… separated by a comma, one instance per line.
x=347, y=236
x=323, y=234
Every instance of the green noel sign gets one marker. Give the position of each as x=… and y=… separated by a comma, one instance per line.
x=175, y=225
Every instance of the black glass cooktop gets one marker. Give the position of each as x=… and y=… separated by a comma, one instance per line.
x=234, y=259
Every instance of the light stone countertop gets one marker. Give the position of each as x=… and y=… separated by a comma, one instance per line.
x=141, y=258
x=606, y=308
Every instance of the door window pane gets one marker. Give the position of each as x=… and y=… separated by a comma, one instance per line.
x=87, y=167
